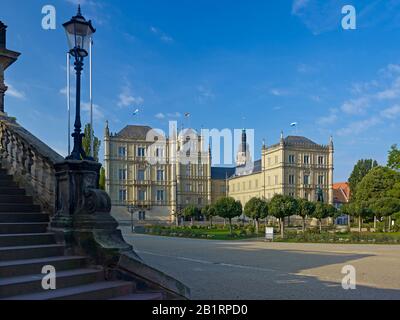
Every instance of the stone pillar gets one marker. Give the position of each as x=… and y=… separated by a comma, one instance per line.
x=83, y=216
x=7, y=58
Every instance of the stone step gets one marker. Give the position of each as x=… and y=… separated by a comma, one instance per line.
x=145, y=296
x=24, y=239
x=5, y=177
x=96, y=291
x=10, y=207
x=22, y=285
x=34, y=266
x=6, y=183
x=31, y=252
x=11, y=191
x=12, y=198
x=16, y=217
x=18, y=228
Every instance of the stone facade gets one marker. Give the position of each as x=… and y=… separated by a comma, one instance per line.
x=296, y=166
x=145, y=169
x=156, y=174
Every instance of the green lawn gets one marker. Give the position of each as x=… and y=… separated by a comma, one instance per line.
x=201, y=233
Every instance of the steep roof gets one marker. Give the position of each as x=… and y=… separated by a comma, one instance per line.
x=341, y=192
x=298, y=140
x=134, y=132
x=221, y=173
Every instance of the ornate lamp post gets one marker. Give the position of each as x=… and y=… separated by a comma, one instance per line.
x=79, y=32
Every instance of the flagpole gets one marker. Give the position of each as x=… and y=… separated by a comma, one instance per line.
x=69, y=101
x=91, y=101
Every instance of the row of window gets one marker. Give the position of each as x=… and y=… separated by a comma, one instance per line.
x=140, y=152
x=292, y=159
x=160, y=195
x=160, y=175
x=291, y=181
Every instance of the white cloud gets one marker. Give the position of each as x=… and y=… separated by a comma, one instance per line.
x=391, y=113
x=162, y=35
x=204, y=94
x=97, y=112
x=14, y=92
x=126, y=99
x=330, y=119
x=278, y=92
x=160, y=116
x=358, y=127
x=174, y=115
x=356, y=106
x=298, y=5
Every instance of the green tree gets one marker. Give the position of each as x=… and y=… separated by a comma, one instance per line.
x=394, y=158
x=209, y=212
x=321, y=212
x=228, y=208
x=361, y=210
x=86, y=143
x=282, y=206
x=305, y=209
x=190, y=212
x=360, y=170
x=386, y=207
x=102, y=179
x=256, y=209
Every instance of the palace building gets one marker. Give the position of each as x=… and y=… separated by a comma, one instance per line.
x=161, y=175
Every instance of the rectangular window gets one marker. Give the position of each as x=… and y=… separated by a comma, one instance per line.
x=291, y=194
x=140, y=175
x=142, y=195
x=291, y=179
x=200, y=201
x=142, y=215
x=223, y=189
x=306, y=179
x=276, y=159
x=249, y=185
x=122, y=174
x=321, y=180
x=201, y=171
x=306, y=159
x=201, y=188
x=306, y=196
x=321, y=160
x=188, y=169
x=141, y=152
x=188, y=187
x=160, y=175
x=292, y=158
x=276, y=180
x=121, y=151
x=269, y=181
x=159, y=153
x=122, y=195
x=160, y=195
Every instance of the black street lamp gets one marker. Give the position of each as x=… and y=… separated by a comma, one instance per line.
x=79, y=33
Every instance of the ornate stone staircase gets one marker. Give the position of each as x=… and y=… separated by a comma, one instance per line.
x=26, y=247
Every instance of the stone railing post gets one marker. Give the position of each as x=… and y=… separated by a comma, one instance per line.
x=30, y=161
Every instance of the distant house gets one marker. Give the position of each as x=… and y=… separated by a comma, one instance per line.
x=341, y=196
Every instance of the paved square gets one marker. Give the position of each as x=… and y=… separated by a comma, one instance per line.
x=255, y=269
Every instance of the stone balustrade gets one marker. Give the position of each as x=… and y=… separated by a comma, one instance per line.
x=30, y=161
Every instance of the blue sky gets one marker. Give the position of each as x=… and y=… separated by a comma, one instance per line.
x=231, y=64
